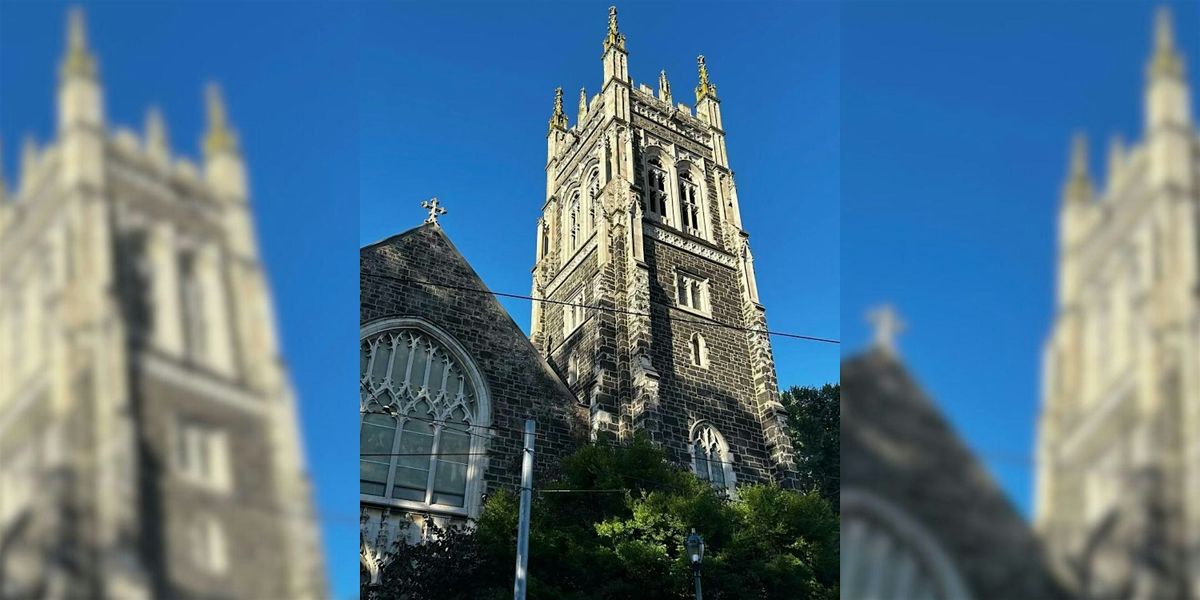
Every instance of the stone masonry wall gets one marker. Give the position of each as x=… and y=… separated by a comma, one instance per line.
x=520, y=383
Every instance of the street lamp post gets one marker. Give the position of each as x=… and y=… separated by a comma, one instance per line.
x=695, y=550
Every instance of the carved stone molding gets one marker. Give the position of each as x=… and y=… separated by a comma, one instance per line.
x=674, y=239
x=572, y=264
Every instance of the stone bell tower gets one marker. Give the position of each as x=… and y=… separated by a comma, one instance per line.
x=1118, y=451
x=149, y=446
x=649, y=304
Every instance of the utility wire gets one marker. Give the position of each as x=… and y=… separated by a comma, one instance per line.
x=634, y=313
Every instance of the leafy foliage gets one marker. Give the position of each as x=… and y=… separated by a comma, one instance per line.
x=814, y=422
x=599, y=543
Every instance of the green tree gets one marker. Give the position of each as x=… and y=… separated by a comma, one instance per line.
x=814, y=421
x=619, y=534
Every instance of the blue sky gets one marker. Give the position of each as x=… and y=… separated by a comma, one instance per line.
x=466, y=119
x=293, y=99
x=955, y=127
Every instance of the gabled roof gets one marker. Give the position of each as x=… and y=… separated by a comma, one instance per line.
x=896, y=445
x=421, y=273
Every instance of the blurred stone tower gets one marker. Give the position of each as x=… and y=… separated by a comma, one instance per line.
x=148, y=438
x=1118, y=455
x=641, y=259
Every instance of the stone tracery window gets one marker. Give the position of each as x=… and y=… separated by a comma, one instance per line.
x=691, y=292
x=191, y=291
x=421, y=421
x=573, y=232
x=895, y=556
x=593, y=190
x=656, y=176
x=689, y=207
x=711, y=459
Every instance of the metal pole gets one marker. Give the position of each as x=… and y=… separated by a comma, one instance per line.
x=696, y=570
x=523, y=523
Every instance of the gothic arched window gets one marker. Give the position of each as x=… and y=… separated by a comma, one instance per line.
x=699, y=350
x=711, y=459
x=689, y=207
x=656, y=178
x=593, y=190
x=896, y=556
x=423, y=416
x=191, y=292
x=572, y=369
x=573, y=233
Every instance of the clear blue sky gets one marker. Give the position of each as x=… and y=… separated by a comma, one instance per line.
x=291, y=95
x=465, y=120
x=955, y=126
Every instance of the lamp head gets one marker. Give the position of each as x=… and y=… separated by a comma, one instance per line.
x=695, y=547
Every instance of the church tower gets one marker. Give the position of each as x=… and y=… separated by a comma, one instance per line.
x=648, y=305
x=1118, y=457
x=149, y=446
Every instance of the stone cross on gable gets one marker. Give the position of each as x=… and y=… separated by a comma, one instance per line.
x=887, y=326
x=435, y=210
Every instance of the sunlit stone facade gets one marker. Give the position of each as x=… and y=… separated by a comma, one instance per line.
x=149, y=446
x=1118, y=454
x=641, y=259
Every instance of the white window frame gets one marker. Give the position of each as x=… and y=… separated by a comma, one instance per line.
x=478, y=429
x=200, y=454
x=692, y=293
x=209, y=545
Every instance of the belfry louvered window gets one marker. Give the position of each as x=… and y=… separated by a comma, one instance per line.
x=689, y=207
x=657, y=193
x=420, y=420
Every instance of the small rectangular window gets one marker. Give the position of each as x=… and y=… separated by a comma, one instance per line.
x=202, y=454
x=691, y=292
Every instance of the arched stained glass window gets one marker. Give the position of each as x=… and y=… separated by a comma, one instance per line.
x=420, y=423
x=711, y=459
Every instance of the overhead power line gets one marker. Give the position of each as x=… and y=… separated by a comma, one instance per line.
x=709, y=322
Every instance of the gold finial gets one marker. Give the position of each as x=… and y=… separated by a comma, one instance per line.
x=559, y=118
x=220, y=138
x=79, y=61
x=706, y=89
x=435, y=208
x=1166, y=61
x=614, y=38
x=1079, y=181
x=887, y=327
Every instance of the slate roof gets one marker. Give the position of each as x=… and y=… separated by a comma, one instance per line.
x=897, y=445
